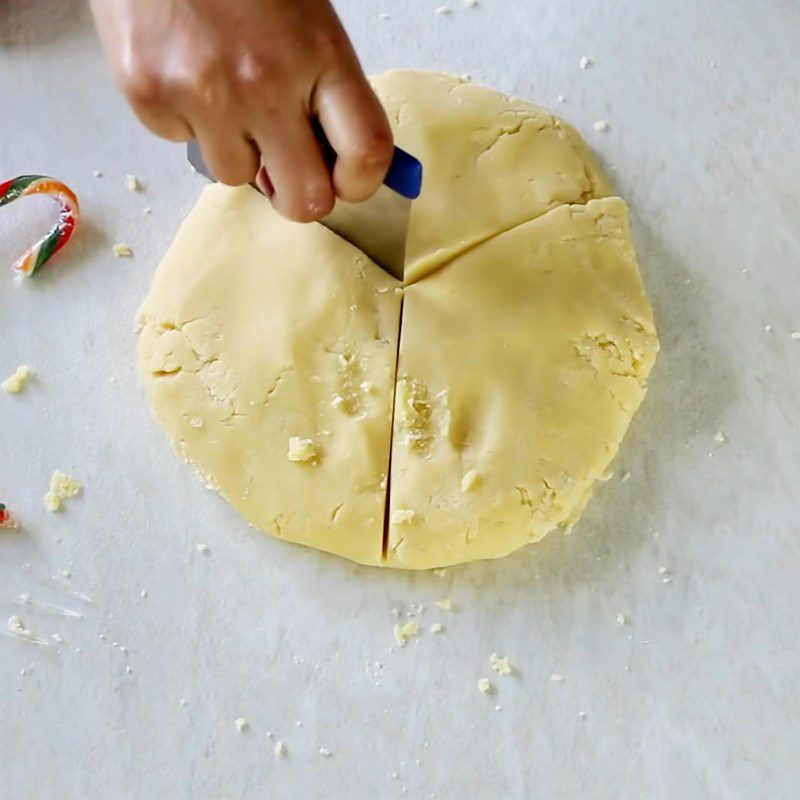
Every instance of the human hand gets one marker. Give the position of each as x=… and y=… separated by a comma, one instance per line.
x=247, y=78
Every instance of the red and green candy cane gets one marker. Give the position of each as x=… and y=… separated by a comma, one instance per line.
x=33, y=259
x=6, y=518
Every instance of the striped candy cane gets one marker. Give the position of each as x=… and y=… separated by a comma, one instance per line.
x=33, y=259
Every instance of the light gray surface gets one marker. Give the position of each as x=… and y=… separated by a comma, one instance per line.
x=696, y=698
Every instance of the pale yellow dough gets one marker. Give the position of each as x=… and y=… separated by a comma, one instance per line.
x=521, y=363
x=491, y=162
x=254, y=326
x=269, y=350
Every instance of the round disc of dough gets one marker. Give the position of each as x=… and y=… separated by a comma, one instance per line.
x=460, y=424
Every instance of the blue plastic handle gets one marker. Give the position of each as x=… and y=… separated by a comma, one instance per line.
x=405, y=175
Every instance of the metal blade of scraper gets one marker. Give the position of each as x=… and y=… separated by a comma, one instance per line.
x=378, y=226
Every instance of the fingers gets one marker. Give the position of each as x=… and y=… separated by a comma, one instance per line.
x=146, y=96
x=359, y=132
x=231, y=155
x=295, y=168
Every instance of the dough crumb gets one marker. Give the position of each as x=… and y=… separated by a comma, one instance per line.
x=15, y=383
x=469, y=480
x=556, y=678
x=17, y=627
x=440, y=571
x=302, y=450
x=324, y=752
x=196, y=423
x=203, y=548
x=622, y=619
x=625, y=477
x=437, y=627
x=241, y=724
x=500, y=664
x=443, y=10
x=582, y=714
x=402, y=633
x=402, y=516
x=585, y=62
x=470, y=3
x=383, y=15
x=97, y=173
x=601, y=125
x=133, y=183
x=280, y=749
x=62, y=487
x=720, y=437
x=446, y=604
x=485, y=686
x=795, y=335
x=122, y=250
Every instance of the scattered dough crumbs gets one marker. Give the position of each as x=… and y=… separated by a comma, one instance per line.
x=719, y=436
x=401, y=516
x=437, y=627
x=556, y=678
x=470, y=3
x=280, y=748
x=443, y=10
x=585, y=62
x=795, y=335
x=500, y=664
x=324, y=752
x=241, y=724
x=62, y=487
x=402, y=633
x=122, y=250
x=202, y=548
x=446, y=604
x=440, y=571
x=484, y=685
x=469, y=480
x=601, y=125
x=302, y=450
x=133, y=183
x=622, y=619
x=15, y=383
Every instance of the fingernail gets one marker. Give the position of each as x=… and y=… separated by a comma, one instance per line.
x=265, y=184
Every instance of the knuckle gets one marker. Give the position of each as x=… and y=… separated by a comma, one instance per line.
x=331, y=41
x=255, y=70
x=373, y=150
x=143, y=88
x=203, y=84
x=234, y=174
